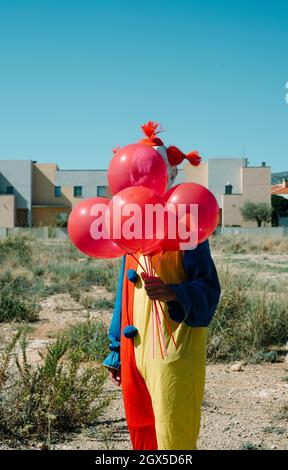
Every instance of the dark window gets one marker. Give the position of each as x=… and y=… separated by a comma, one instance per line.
x=9, y=190
x=77, y=191
x=21, y=218
x=57, y=191
x=102, y=191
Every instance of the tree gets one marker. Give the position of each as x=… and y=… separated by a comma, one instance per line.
x=260, y=212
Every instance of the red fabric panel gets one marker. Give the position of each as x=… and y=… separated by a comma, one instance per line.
x=137, y=401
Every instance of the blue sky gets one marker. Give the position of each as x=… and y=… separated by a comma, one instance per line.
x=79, y=77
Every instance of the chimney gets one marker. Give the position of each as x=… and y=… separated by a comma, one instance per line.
x=228, y=188
x=284, y=183
x=263, y=164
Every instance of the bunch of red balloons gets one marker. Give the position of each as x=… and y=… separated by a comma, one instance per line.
x=138, y=177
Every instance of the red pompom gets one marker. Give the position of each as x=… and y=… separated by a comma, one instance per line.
x=194, y=158
x=175, y=156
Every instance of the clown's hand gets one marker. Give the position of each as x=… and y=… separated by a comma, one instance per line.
x=115, y=376
x=156, y=289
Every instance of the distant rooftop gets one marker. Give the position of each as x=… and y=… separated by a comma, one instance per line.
x=277, y=178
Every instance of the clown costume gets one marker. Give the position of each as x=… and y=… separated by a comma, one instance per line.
x=163, y=390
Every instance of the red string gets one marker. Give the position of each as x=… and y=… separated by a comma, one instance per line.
x=137, y=261
x=152, y=315
x=162, y=309
x=158, y=321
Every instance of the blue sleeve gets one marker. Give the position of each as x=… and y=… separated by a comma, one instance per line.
x=113, y=358
x=198, y=297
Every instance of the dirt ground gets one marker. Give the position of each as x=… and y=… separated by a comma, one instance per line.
x=242, y=410
x=245, y=406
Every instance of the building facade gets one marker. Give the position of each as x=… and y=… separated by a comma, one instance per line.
x=15, y=193
x=41, y=194
x=232, y=182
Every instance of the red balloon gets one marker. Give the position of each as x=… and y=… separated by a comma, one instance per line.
x=80, y=229
x=131, y=222
x=208, y=213
x=137, y=165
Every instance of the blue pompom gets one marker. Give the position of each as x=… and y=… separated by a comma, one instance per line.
x=130, y=331
x=132, y=275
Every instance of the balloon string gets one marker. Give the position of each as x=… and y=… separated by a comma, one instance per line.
x=162, y=309
x=137, y=261
x=152, y=315
x=155, y=313
x=157, y=317
x=146, y=264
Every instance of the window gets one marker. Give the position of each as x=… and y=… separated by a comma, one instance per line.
x=9, y=190
x=77, y=191
x=102, y=191
x=57, y=191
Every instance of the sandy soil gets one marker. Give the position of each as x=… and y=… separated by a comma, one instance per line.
x=242, y=410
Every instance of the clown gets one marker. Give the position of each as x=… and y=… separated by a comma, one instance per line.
x=163, y=395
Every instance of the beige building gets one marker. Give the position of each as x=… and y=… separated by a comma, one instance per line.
x=47, y=206
x=232, y=182
x=56, y=191
x=7, y=211
x=40, y=194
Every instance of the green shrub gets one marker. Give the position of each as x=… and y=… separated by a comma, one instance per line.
x=247, y=321
x=90, y=339
x=58, y=396
x=16, y=249
x=90, y=303
x=18, y=300
x=84, y=274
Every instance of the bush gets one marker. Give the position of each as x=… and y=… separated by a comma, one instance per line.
x=58, y=396
x=84, y=274
x=247, y=321
x=17, y=249
x=90, y=339
x=90, y=303
x=18, y=300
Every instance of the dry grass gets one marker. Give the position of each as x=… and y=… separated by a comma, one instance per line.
x=245, y=244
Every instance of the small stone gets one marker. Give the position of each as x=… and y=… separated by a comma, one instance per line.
x=237, y=367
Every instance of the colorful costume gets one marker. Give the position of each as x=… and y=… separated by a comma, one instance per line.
x=163, y=396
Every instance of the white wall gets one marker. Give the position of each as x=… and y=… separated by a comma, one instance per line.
x=222, y=171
